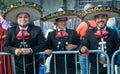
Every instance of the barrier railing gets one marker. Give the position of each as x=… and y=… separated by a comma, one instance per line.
x=66, y=52
x=76, y=53
x=107, y=59
x=90, y=51
x=113, y=61
x=4, y=54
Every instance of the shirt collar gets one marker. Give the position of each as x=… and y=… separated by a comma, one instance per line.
x=63, y=29
x=23, y=28
x=103, y=28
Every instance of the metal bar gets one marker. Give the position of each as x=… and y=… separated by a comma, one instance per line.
x=87, y=65
x=24, y=67
x=54, y=64
x=41, y=3
x=34, y=64
x=4, y=64
x=13, y=63
x=97, y=64
x=76, y=63
x=65, y=4
x=76, y=5
x=112, y=61
x=65, y=64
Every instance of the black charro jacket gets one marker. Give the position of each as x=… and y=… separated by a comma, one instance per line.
x=92, y=43
x=36, y=42
x=59, y=45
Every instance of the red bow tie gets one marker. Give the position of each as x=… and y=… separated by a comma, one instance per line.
x=62, y=34
x=23, y=34
x=101, y=34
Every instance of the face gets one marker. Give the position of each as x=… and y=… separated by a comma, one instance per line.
x=61, y=23
x=101, y=20
x=23, y=19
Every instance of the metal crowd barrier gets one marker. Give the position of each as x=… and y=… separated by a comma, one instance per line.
x=113, y=61
x=76, y=53
x=67, y=52
x=4, y=54
x=76, y=59
x=107, y=59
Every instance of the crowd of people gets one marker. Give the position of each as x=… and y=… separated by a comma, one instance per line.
x=24, y=39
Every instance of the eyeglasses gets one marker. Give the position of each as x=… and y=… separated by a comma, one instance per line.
x=61, y=22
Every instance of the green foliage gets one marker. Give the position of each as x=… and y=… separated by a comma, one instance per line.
x=2, y=5
x=5, y=3
x=69, y=3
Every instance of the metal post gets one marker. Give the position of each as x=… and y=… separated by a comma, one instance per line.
x=41, y=3
x=76, y=5
x=113, y=60
x=41, y=23
x=65, y=4
x=114, y=3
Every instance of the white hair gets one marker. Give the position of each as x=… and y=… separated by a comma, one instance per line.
x=60, y=9
x=88, y=6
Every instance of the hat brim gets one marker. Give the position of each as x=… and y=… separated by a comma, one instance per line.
x=34, y=10
x=110, y=12
x=68, y=13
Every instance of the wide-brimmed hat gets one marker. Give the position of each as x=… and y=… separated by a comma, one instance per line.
x=65, y=13
x=109, y=11
x=34, y=10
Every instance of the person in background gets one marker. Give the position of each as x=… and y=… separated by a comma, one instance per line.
x=47, y=62
x=100, y=37
x=118, y=21
x=24, y=39
x=61, y=39
x=112, y=23
x=81, y=31
x=50, y=30
x=7, y=58
x=5, y=66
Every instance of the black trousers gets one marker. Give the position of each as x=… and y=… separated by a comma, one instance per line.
x=101, y=70
x=29, y=69
x=59, y=65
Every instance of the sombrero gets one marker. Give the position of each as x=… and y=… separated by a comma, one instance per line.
x=65, y=13
x=90, y=13
x=34, y=10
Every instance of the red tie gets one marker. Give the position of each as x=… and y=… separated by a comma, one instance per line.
x=101, y=34
x=23, y=34
x=62, y=34
x=22, y=31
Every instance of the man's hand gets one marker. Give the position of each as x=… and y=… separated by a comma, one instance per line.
x=18, y=52
x=70, y=46
x=22, y=51
x=84, y=49
x=25, y=51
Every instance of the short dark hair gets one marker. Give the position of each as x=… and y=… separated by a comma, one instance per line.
x=60, y=18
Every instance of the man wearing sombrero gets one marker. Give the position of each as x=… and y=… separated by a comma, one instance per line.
x=101, y=37
x=24, y=39
x=61, y=39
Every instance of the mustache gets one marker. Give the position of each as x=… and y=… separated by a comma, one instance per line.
x=101, y=22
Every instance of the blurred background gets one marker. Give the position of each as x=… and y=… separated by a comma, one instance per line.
x=51, y=6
